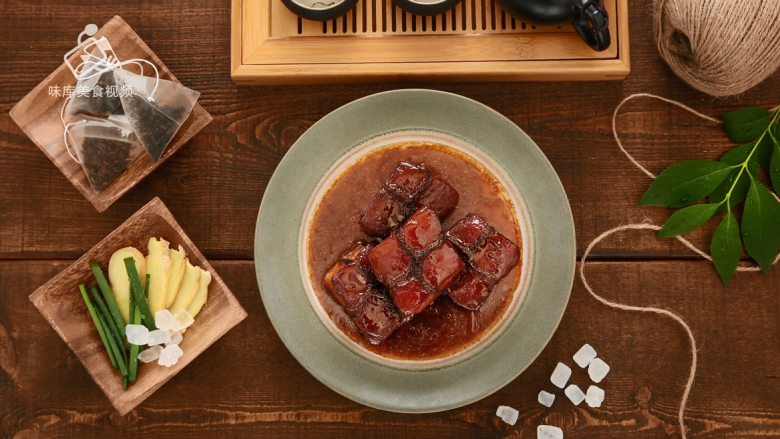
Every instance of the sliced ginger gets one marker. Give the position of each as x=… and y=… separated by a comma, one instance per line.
x=158, y=265
x=188, y=288
x=202, y=295
x=176, y=275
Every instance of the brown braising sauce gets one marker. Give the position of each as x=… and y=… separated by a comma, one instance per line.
x=443, y=328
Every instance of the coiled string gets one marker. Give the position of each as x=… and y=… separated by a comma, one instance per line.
x=647, y=225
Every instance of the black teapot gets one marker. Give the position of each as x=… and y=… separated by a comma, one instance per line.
x=588, y=17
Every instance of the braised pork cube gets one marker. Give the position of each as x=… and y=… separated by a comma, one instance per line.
x=348, y=281
x=442, y=266
x=382, y=215
x=349, y=285
x=411, y=296
x=440, y=197
x=421, y=232
x=495, y=257
x=377, y=316
x=468, y=232
x=389, y=261
x=470, y=290
x=407, y=180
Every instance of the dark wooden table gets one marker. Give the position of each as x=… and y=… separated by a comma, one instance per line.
x=248, y=384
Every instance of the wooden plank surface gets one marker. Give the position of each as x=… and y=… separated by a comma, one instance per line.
x=248, y=384
x=214, y=185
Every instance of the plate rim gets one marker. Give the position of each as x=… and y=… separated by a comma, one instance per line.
x=322, y=377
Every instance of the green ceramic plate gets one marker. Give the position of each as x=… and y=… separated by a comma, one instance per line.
x=548, y=250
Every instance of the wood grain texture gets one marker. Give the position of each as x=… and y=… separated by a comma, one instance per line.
x=38, y=115
x=59, y=302
x=214, y=186
x=248, y=384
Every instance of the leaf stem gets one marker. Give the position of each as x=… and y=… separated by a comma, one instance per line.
x=744, y=166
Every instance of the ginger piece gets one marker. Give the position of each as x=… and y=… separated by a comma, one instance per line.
x=158, y=265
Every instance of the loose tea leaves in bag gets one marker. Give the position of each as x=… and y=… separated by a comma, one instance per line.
x=155, y=108
x=95, y=93
x=104, y=148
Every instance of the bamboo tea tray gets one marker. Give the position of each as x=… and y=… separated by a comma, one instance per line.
x=377, y=41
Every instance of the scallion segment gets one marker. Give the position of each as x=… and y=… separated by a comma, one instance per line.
x=135, y=349
x=138, y=291
x=109, y=296
x=98, y=324
x=114, y=339
x=118, y=351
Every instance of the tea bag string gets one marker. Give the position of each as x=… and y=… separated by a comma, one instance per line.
x=135, y=61
x=66, y=132
x=89, y=30
x=647, y=225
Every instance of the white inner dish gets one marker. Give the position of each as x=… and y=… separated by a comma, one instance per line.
x=520, y=212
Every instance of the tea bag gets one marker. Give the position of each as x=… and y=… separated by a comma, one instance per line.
x=95, y=92
x=156, y=108
x=104, y=148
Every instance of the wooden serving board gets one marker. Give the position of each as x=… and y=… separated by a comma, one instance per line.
x=60, y=302
x=377, y=41
x=38, y=115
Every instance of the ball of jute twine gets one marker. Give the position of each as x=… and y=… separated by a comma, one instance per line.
x=720, y=47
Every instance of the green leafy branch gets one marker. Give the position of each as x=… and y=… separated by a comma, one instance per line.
x=727, y=183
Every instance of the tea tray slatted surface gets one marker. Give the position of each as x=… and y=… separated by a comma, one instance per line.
x=377, y=41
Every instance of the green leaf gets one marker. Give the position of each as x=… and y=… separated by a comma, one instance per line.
x=686, y=183
x=761, y=225
x=767, y=146
x=685, y=220
x=726, y=247
x=736, y=156
x=774, y=168
x=746, y=124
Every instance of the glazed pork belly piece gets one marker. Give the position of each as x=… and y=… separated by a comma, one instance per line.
x=353, y=285
x=377, y=316
x=416, y=263
x=490, y=256
x=349, y=280
x=409, y=187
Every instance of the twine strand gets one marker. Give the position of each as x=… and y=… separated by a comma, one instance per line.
x=647, y=225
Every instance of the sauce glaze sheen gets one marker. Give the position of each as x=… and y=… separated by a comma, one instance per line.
x=443, y=328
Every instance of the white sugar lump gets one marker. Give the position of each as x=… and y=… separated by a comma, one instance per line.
x=560, y=375
x=182, y=320
x=585, y=355
x=158, y=336
x=575, y=394
x=594, y=397
x=546, y=399
x=164, y=320
x=507, y=414
x=548, y=432
x=170, y=355
x=597, y=370
x=150, y=354
x=176, y=338
x=137, y=334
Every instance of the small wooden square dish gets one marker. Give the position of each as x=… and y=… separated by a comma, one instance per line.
x=61, y=304
x=38, y=115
